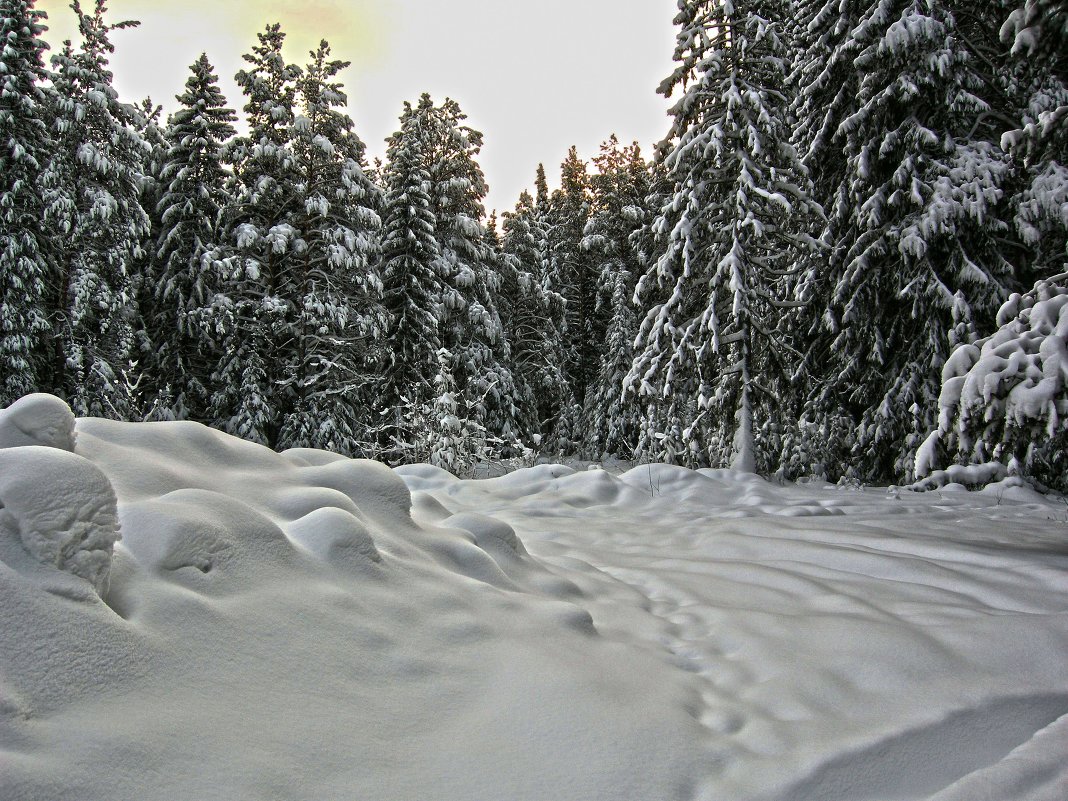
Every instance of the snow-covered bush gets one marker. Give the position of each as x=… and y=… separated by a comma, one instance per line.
x=1004, y=399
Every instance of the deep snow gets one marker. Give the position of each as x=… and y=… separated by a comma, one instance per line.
x=302, y=626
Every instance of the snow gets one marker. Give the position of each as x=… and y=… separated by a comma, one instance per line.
x=303, y=626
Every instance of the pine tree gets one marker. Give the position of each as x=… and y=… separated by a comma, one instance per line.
x=92, y=188
x=27, y=266
x=710, y=363
x=184, y=284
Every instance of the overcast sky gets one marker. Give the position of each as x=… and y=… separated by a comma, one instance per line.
x=535, y=76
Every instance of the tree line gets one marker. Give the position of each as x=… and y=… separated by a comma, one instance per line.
x=849, y=189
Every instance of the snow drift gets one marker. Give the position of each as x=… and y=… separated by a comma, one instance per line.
x=304, y=626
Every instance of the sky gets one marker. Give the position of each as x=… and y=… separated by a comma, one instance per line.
x=534, y=77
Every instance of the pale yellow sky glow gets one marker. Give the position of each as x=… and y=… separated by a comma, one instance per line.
x=535, y=77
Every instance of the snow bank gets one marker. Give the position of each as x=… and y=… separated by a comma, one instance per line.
x=304, y=626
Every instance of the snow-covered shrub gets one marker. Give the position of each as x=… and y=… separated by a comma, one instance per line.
x=1004, y=399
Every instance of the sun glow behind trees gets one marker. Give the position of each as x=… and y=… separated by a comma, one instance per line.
x=536, y=77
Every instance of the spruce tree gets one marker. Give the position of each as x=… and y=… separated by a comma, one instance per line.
x=184, y=284
x=338, y=319
x=573, y=275
x=412, y=286
x=144, y=271
x=471, y=328
x=255, y=312
x=619, y=189
x=1036, y=32
x=534, y=324
x=710, y=364
x=92, y=188
x=913, y=199
x=27, y=265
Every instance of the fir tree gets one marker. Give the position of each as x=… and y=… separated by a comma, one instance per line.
x=709, y=362
x=27, y=266
x=92, y=188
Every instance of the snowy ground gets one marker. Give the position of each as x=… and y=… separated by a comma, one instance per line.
x=299, y=626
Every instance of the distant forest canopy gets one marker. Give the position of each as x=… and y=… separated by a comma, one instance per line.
x=848, y=193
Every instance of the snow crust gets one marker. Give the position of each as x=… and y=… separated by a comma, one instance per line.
x=304, y=626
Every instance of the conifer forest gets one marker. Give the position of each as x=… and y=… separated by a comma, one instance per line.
x=847, y=258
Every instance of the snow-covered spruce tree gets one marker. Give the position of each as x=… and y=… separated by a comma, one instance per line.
x=913, y=203
x=619, y=189
x=254, y=313
x=92, y=188
x=534, y=323
x=412, y=289
x=299, y=305
x=338, y=318
x=27, y=268
x=556, y=416
x=1037, y=31
x=452, y=438
x=143, y=272
x=1004, y=399
x=471, y=328
x=184, y=283
x=709, y=361
x=573, y=274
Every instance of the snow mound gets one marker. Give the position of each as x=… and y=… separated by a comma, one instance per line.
x=37, y=420
x=337, y=536
x=205, y=540
x=304, y=626
x=62, y=509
